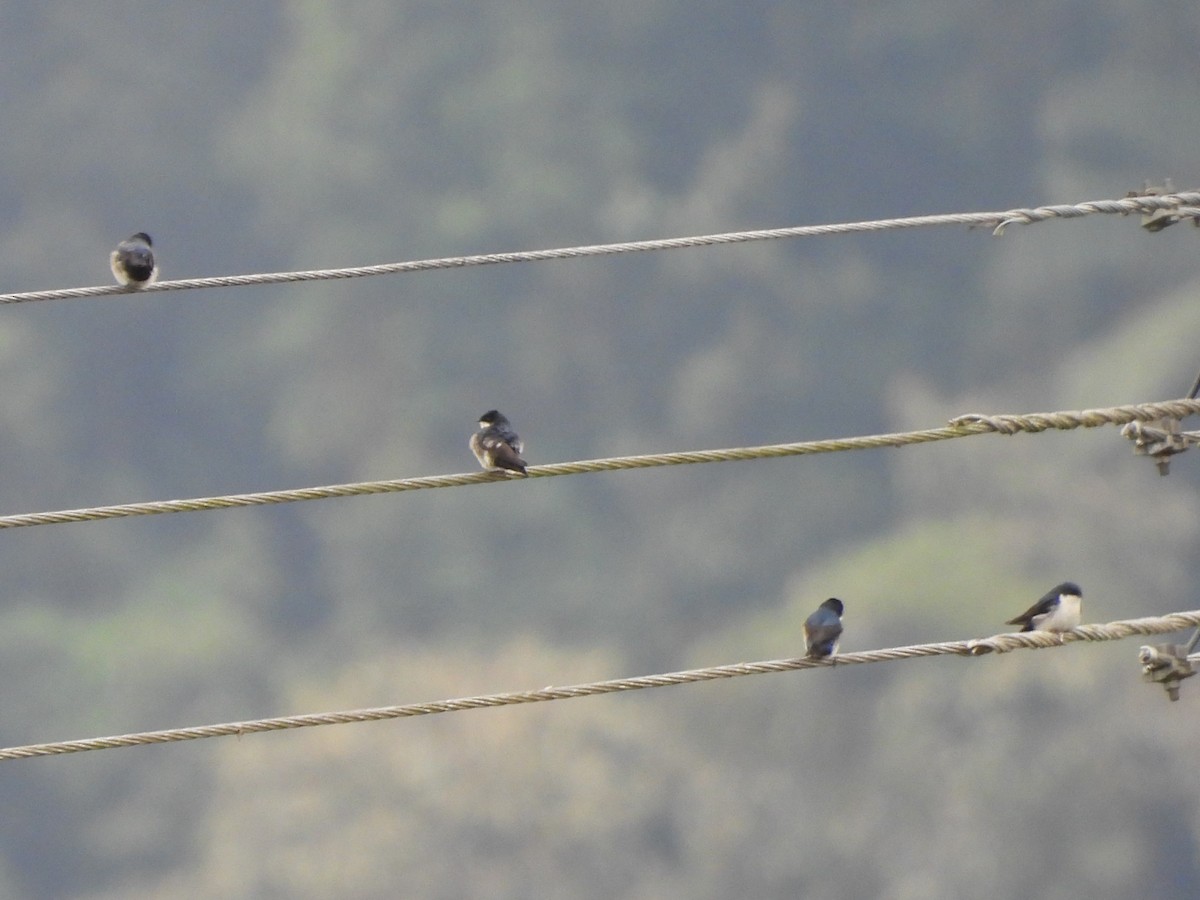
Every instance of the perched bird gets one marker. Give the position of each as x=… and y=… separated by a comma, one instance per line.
x=1060, y=610
x=823, y=628
x=132, y=263
x=496, y=445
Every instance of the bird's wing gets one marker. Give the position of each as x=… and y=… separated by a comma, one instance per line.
x=510, y=437
x=1040, y=608
x=819, y=628
x=502, y=452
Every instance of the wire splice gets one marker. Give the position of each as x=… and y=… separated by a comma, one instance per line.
x=1164, y=218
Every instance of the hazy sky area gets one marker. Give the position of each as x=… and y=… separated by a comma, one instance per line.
x=268, y=136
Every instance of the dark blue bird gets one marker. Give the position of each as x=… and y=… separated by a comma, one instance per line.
x=132, y=263
x=823, y=628
x=496, y=445
x=1061, y=609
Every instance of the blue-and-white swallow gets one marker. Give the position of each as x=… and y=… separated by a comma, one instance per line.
x=1060, y=610
x=823, y=628
x=496, y=445
x=132, y=263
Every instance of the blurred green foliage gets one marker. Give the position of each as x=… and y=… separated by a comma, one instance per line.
x=294, y=135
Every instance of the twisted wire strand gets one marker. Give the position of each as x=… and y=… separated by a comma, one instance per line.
x=962, y=426
x=998, y=220
x=1000, y=643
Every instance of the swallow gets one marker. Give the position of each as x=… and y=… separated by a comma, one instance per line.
x=1060, y=610
x=823, y=628
x=496, y=445
x=132, y=263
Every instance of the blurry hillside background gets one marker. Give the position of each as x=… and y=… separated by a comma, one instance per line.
x=266, y=136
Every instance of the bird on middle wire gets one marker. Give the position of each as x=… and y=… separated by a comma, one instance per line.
x=1061, y=609
x=823, y=629
x=496, y=445
x=132, y=263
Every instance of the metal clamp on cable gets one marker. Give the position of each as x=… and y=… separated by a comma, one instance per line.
x=1163, y=218
x=1166, y=664
x=1160, y=439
